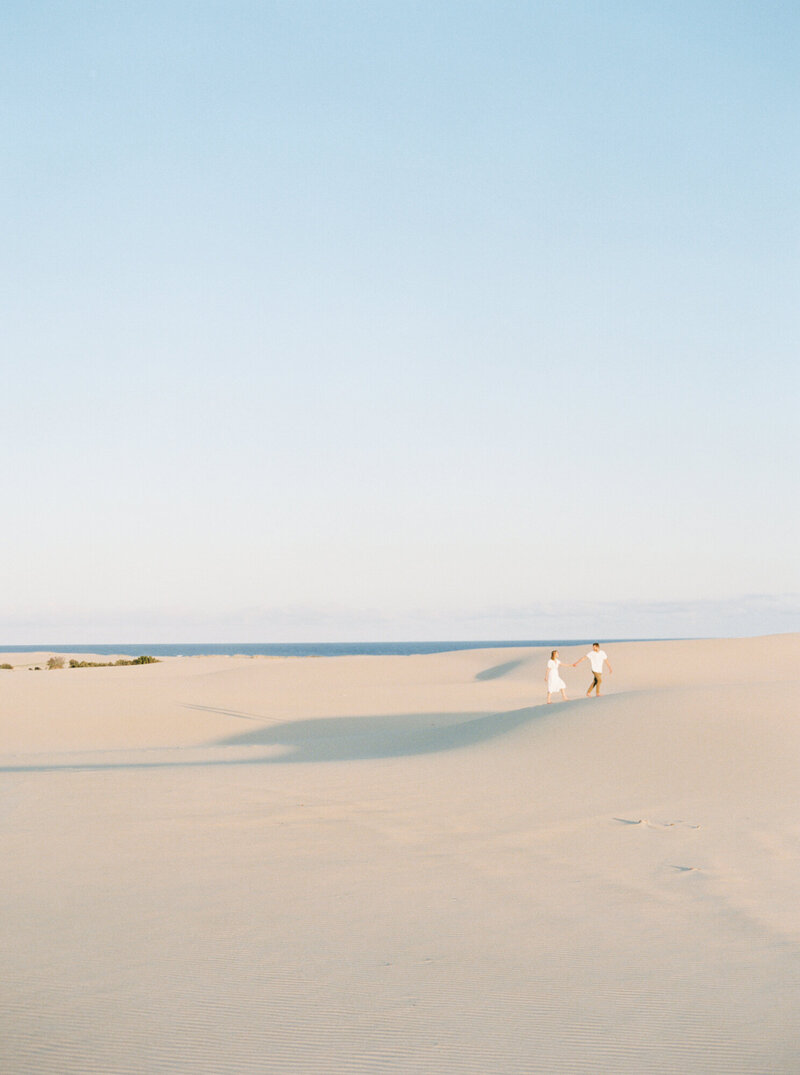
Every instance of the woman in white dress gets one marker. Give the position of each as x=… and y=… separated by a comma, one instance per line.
x=553, y=679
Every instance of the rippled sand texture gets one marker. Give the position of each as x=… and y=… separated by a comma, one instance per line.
x=403, y=864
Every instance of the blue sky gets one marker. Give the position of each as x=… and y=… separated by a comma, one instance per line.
x=353, y=320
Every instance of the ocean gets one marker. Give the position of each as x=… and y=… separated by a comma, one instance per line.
x=297, y=649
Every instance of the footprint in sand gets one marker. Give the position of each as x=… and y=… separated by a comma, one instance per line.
x=654, y=824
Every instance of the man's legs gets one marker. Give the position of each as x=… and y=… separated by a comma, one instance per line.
x=595, y=685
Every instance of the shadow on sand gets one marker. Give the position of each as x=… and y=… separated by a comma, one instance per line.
x=326, y=739
x=368, y=738
x=499, y=670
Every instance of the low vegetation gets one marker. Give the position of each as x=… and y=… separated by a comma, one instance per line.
x=10, y=667
x=114, y=664
x=55, y=662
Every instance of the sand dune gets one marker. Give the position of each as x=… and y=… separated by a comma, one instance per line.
x=404, y=864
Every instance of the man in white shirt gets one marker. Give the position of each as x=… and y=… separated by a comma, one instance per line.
x=596, y=658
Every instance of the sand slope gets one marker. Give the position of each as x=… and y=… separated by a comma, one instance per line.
x=404, y=864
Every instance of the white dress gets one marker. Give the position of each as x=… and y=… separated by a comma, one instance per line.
x=554, y=680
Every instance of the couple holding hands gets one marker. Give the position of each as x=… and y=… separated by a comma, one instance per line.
x=596, y=658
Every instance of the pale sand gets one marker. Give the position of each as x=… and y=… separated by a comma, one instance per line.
x=404, y=864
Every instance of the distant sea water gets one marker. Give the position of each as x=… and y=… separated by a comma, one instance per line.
x=299, y=649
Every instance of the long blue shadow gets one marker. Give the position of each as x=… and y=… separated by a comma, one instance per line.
x=329, y=739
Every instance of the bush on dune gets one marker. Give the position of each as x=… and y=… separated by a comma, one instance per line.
x=113, y=664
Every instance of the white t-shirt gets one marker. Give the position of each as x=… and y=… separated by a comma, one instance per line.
x=596, y=658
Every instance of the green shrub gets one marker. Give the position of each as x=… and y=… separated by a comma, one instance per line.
x=55, y=662
x=10, y=667
x=113, y=664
